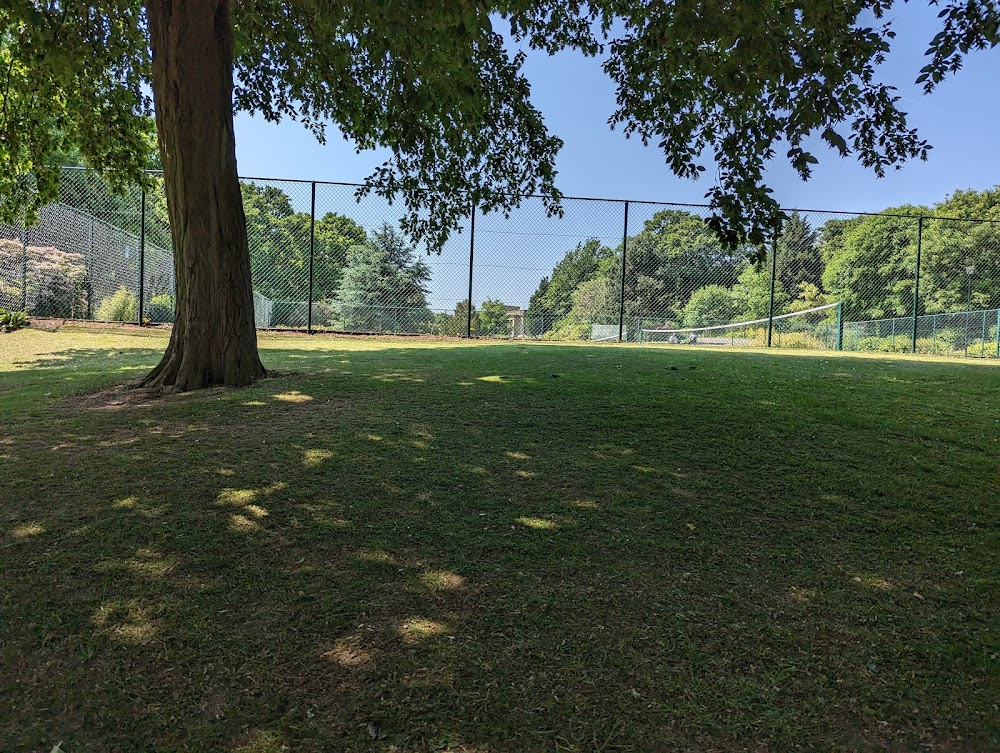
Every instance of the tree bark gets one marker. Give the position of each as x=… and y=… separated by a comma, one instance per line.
x=213, y=341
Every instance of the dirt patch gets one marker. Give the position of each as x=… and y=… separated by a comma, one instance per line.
x=46, y=325
x=131, y=395
x=85, y=325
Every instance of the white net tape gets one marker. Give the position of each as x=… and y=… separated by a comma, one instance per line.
x=738, y=325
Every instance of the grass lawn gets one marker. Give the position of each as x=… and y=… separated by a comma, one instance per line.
x=413, y=545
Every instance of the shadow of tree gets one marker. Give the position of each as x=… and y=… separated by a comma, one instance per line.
x=454, y=550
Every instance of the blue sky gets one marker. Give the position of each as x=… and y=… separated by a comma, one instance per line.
x=960, y=120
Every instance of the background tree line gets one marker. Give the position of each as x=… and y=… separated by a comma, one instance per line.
x=678, y=273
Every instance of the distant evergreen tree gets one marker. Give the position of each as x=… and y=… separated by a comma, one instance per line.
x=798, y=258
x=383, y=288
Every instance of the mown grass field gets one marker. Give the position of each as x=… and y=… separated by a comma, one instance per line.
x=408, y=545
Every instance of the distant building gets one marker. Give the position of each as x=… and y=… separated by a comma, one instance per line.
x=515, y=315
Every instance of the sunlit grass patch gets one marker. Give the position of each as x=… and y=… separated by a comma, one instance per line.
x=347, y=654
x=873, y=581
x=293, y=396
x=416, y=629
x=27, y=530
x=442, y=580
x=539, y=523
x=315, y=457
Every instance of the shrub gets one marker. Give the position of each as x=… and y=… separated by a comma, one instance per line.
x=322, y=313
x=160, y=309
x=899, y=344
x=708, y=306
x=567, y=330
x=946, y=342
x=797, y=341
x=10, y=294
x=55, y=279
x=290, y=314
x=989, y=349
x=950, y=338
x=12, y=320
x=120, y=306
x=902, y=343
x=974, y=348
x=927, y=345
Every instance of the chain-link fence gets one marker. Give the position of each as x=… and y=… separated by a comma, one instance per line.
x=84, y=257
x=536, y=276
x=603, y=271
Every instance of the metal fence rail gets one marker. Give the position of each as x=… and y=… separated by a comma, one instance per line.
x=606, y=270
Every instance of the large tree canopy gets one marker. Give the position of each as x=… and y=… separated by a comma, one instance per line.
x=739, y=81
x=555, y=295
x=673, y=256
x=279, y=240
x=871, y=267
x=437, y=84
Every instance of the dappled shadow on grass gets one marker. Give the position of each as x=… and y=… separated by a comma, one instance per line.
x=403, y=551
x=100, y=359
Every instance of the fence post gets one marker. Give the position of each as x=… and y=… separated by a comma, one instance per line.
x=142, y=258
x=983, y=350
x=24, y=267
x=90, y=270
x=998, y=333
x=840, y=326
x=770, y=300
x=621, y=292
x=472, y=251
x=916, y=280
x=312, y=249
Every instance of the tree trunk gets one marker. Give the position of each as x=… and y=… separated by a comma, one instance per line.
x=213, y=341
